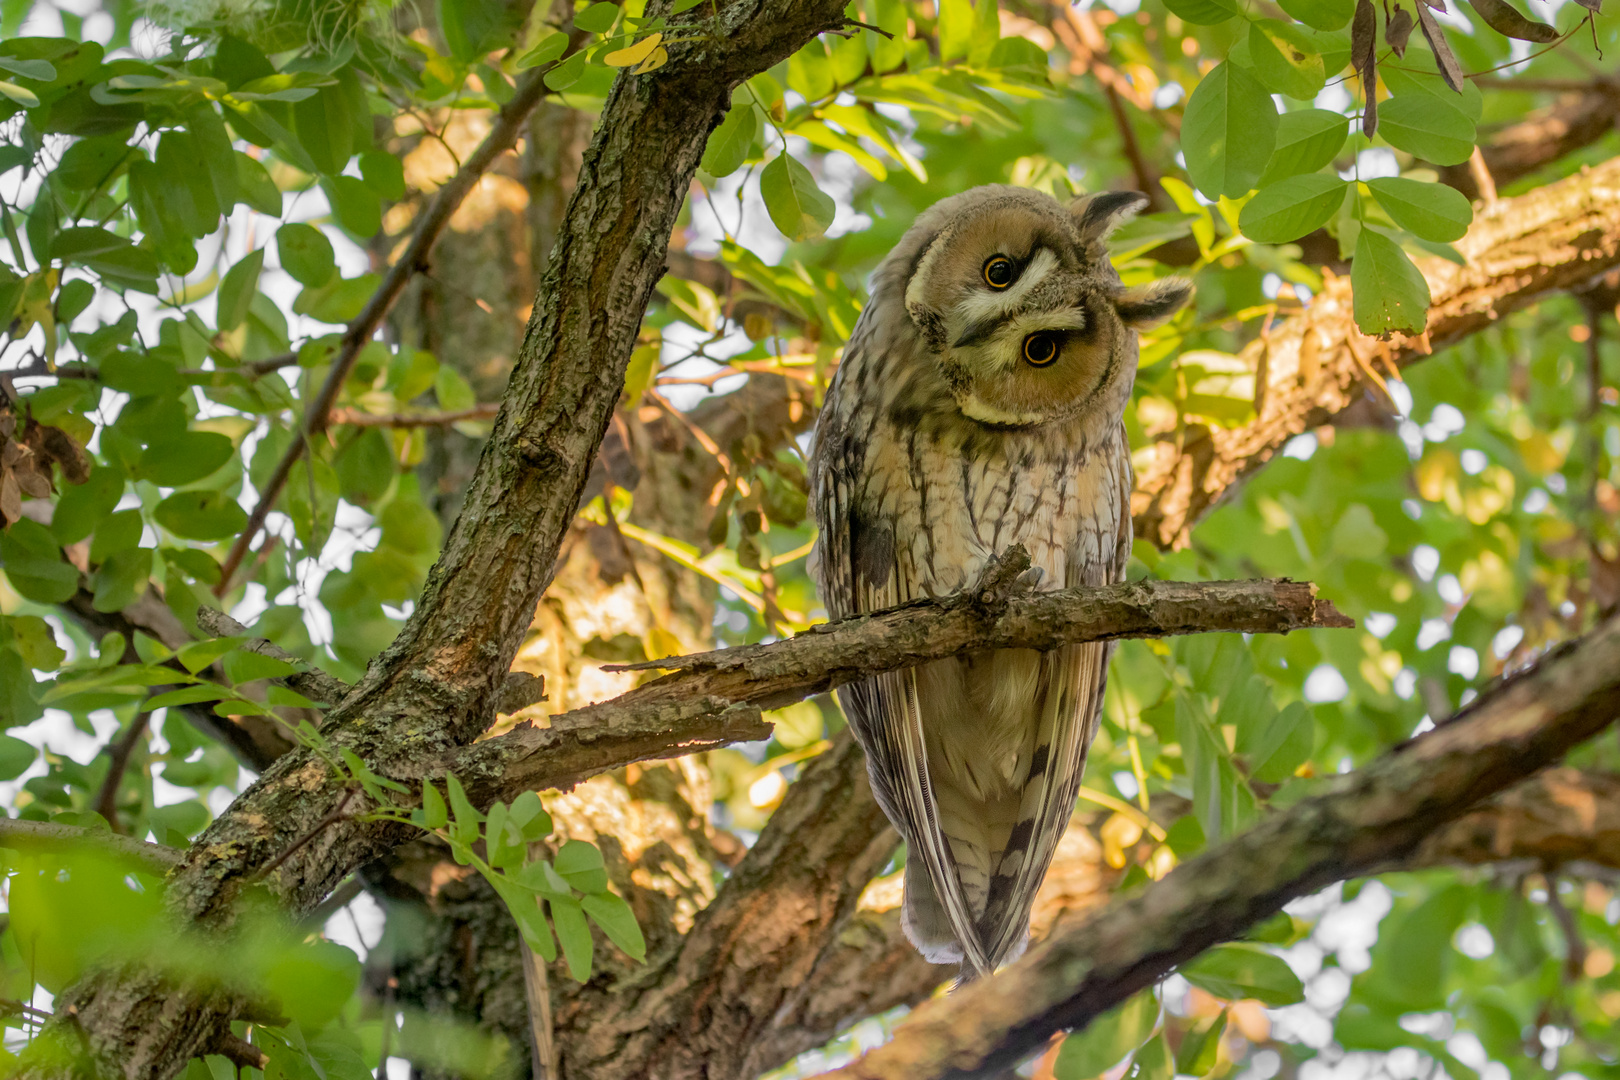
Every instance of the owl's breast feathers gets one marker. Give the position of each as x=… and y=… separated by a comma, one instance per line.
x=976, y=759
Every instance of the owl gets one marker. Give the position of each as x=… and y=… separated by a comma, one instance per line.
x=980, y=405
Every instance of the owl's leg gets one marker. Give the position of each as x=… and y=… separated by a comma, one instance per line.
x=924, y=920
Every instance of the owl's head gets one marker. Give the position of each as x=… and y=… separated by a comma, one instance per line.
x=1013, y=295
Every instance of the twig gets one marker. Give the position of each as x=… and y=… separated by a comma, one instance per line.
x=502, y=136
x=1147, y=181
x=1574, y=945
x=48, y=836
x=1482, y=177
x=242, y=1054
x=315, y=830
x=341, y=898
x=537, y=995
x=313, y=683
x=106, y=803
x=358, y=418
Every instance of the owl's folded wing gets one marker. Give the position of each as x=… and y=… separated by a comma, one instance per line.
x=857, y=572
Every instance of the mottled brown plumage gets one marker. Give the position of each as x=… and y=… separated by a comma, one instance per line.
x=979, y=405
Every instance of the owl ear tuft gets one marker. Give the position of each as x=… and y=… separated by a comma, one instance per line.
x=1147, y=306
x=1100, y=214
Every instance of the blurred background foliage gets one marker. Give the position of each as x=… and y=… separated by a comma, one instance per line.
x=199, y=195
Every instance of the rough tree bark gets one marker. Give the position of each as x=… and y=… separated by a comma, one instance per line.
x=434, y=687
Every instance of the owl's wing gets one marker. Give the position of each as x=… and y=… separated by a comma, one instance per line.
x=1075, y=677
x=858, y=572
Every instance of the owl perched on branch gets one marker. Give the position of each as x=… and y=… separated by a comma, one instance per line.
x=979, y=405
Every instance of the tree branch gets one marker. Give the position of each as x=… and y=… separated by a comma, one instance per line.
x=1358, y=823
x=714, y=698
x=48, y=836
x=1517, y=252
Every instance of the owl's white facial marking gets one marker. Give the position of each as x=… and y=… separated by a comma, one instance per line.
x=984, y=305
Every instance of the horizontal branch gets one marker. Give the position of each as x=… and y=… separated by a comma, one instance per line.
x=1313, y=365
x=23, y=835
x=359, y=418
x=713, y=698
x=1359, y=822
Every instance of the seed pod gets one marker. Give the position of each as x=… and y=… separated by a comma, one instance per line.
x=1398, y=29
x=1505, y=19
x=1363, y=55
x=1450, y=70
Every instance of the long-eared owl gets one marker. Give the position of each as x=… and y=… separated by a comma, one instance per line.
x=979, y=405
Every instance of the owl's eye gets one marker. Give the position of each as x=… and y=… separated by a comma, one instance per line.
x=999, y=271
x=1041, y=348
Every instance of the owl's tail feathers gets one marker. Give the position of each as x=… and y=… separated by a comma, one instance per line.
x=925, y=922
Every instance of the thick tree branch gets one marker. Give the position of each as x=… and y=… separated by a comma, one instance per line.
x=1358, y=823
x=1314, y=364
x=714, y=698
x=48, y=836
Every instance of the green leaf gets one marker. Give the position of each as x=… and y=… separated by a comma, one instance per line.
x=1432, y=212
x=567, y=73
x=618, y=922
x=1321, y=14
x=797, y=206
x=580, y=864
x=1291, y=208
x=21, y=95
x=188, y=457
x=574, y=933
x=1242, y=970
x=729, y=145
x=1104, y=1042
x=1413, y=959
x=466, y=815
x=453, y=390
x=531, y=921
x=325, y=129
x=357, y=206
x=16, y=756
x=1200, y=1047
x=255, y=187
x=1285, y=59
x=1414, y=124
x=530, y=817
x=1228, y=132
x=1203, y=12
x=339, y=300
x=197, y=656
x=201, y=515
x=1389, y=292
x=90, y=163
x=383, y=173
x=1307, y=139
x=82, y=506
x=598, y=18
x=188, y=695
x=236, y=290
x=545, y=51
x=435, y=815
x=306, y=254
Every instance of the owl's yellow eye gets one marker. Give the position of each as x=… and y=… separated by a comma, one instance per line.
x=999, y=271
x=1041, y=348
